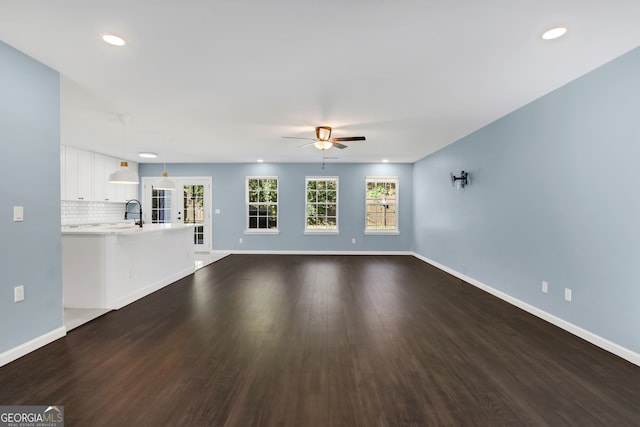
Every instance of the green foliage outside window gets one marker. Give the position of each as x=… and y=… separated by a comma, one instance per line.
x=322, y=204
x=263, y=203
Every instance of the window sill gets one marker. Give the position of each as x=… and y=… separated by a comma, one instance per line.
x=261, y=231
x=322, y=232
x=383, y=232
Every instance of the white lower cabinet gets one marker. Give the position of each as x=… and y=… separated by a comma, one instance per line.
x=112, y=268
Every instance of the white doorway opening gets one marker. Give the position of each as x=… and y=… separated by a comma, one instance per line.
x=189, y=203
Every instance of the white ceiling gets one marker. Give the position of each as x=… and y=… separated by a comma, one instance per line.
x=224, y=80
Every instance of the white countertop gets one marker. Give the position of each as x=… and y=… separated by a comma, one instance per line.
x=122, y=229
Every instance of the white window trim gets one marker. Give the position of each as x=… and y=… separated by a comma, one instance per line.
x=261, y=231
x=382, y=232
x=322, y=232
x=313, y=231
x=387, y=178
x=246, y=195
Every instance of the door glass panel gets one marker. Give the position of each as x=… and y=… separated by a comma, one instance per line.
x=193, y=210
x=160, y=206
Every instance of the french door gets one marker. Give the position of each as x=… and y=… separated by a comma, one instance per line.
x=189, y=203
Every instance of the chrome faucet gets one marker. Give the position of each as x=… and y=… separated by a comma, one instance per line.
x=126, y=210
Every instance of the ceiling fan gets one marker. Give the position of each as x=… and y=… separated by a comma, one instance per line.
x=323, y=140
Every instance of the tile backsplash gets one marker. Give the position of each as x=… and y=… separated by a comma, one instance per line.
x=81, y=212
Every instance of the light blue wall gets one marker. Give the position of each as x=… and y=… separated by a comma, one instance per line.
x=554, y=196
x=228, y=196
x=30, y=152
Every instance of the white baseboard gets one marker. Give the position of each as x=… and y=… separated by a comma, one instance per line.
x=32, y=345
x=219, y=252
x=594, y=339
x=288, y=252
x=134, y=296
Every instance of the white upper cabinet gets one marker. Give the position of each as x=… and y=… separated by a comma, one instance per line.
x=104, y=190
x=131, y=191
x=101, y=177
x=122, y=192
x=85, y=176
x=78, y=174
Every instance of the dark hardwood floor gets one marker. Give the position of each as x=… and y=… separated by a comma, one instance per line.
x=282, y=340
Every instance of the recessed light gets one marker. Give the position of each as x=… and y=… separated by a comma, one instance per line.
x=148, y=155
x=385, y=160
x=260, y=161
x=554, y=33
x=113, y=40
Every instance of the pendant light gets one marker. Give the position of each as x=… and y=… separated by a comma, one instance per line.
x=124, y=175
x=165, y=183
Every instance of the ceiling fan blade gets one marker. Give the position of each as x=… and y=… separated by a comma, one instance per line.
x=305, y=145
x=297, y=137
x=338, y=145
x=349, y=138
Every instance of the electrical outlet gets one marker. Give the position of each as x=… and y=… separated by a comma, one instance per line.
x=545, y=287
x=18, y=293
x=353, y=241
x=240, y=240
x=567, y=294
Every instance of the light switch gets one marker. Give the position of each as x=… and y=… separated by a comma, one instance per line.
x=18, y=213
x=18, y=293
x=567, y=294
x=217, y=211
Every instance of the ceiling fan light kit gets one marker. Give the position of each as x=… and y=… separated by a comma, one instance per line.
x=323, y=133
x=323, y=145
x=323, y=140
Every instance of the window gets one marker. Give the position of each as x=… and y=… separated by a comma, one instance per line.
x=321, y=205
x=262, y=204
x=382, y=205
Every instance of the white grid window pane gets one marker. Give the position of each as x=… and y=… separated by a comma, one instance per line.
x=381, y=204
x=262, y=203
x=321, y=204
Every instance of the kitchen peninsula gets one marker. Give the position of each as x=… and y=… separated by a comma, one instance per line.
x=110, y=266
